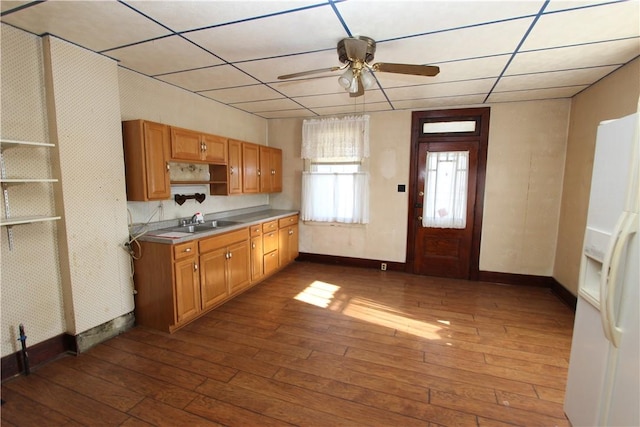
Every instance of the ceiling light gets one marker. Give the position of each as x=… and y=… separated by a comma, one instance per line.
x=346, y=79
x=354, y=85
x=368, y=81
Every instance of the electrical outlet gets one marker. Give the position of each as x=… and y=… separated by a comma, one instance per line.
x=383, y=266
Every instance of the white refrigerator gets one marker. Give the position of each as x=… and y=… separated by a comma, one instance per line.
x=603, y=386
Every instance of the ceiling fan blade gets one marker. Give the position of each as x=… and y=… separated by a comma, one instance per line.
x=306, y=73
x=417, y=70
x=360, y=91
x=356, y=49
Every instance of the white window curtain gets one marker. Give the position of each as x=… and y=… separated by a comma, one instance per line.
x=445, y=190
x=340, y=196
x=346, y=137
x=335, y=197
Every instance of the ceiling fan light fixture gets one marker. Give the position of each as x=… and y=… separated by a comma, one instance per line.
x=368, y=81
x=354, y=85
x=346, y=79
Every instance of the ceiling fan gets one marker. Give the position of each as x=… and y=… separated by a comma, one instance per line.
x=356, y=54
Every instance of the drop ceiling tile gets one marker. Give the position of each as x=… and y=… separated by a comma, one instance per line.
x=310, y=86
x=267, y=105
x=469, y=87
x=530, y=95
x=553, y=79
x=296, y=32
x=592, y=55
x=556, y=5
x=163, y=56
x=216, y=77
x=341, y=99
x=485, y=40
x=587, y=25
x=426, y=104
x=383, y=20
x=187, y=15
x=286, y=114
x=450, y=71
x=268, y=70
x=242, y=94
x=90, y=24
x=10, y=5
x=349, y=109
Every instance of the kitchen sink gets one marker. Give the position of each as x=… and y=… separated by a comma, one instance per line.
x=206, y=226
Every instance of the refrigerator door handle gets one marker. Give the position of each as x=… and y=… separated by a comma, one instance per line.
x=627, y=229
x=605, y=316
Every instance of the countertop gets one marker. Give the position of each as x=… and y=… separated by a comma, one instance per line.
x=170, y=237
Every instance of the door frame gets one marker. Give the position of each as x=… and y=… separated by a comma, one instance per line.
x=481, y=116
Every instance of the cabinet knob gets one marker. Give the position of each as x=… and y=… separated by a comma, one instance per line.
x=421, y=193
x=188, y=250
x=195, y=267
x=259, y=173
x=290, y=232
x=230, y=255
x=419, y=218
x=168, y=166
x=273, y=171
x=231, y=170
x=253, y=246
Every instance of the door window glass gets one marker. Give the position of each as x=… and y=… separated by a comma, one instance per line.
x=445, y=189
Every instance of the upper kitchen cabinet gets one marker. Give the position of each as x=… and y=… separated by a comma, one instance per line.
x=188, y=145
x=250, y=168
x=146, y=150
x=270, y=170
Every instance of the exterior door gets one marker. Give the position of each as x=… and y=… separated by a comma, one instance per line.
x=446, y=192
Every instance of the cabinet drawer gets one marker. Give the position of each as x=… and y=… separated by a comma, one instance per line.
x=255, y=230
x=223, y=240
x=270, y=241
x=269, y=226
x=271, y=262
x=184, y=250
x=290, y=220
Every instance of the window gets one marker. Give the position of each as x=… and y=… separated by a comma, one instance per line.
x=335, y=184
x=445, y=189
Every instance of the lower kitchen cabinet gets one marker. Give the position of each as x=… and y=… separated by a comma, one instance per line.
x=257, y=252
x=288, y=239
x=176, y=284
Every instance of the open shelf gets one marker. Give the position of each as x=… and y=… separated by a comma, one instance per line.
x=17, y=220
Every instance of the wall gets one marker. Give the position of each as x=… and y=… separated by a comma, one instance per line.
x=614, y=96
x=525, y=164
x=149, y=99
x=31, y=284
x=524, y=169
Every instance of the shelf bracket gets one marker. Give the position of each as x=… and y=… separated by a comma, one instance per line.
x=181, y=198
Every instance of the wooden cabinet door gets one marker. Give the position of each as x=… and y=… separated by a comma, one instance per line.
x=234, y=166
x=185, y=144
x=215, y=149
x=250, y=168
x=187, y=289
x=238, y=266
x=257, y=269
x=270, y=170
x=146, y=156
x=213, y=282
x=275, y=156
x=156, y=147
x=265, y=170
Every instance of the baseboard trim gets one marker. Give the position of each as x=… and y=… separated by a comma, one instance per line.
x=59, y=345
x=350, y=262
x=39, y=353
x=515, y=279
x=484, y=276
x=565, y=296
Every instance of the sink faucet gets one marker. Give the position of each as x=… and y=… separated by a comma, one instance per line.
x=197, y=218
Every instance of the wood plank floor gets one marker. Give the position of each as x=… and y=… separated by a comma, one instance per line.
x=323, y=345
